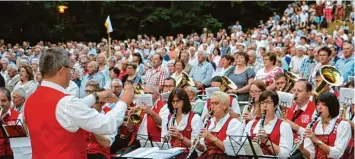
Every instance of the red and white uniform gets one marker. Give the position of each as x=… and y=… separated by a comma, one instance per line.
x=336, y=135
x=9, y=119
x=280, y=134
x=57, y=127
x=92, y=146
x=301, y=116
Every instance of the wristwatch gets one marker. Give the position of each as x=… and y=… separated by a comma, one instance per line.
x=96, y=97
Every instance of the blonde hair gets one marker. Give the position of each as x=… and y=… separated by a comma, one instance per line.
x=222, y=97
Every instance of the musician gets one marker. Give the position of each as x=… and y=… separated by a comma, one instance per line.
x=169, y=84
x=98, y=146
x=234, y=109
x=219, y=128
x=8, y=116
x=151, y=118
x=329, y=136
x=254, y=112
x=186, y=123
x=275, y=135
x=63, y=116
x=281, y=82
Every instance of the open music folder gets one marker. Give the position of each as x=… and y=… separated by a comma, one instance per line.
x=12, y=129
x=154, y=153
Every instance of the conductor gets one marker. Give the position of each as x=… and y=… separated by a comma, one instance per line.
x=56, y=120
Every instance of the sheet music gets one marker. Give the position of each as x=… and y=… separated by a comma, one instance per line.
x=147, y=99
x=285, y=99
x=347, y=95
x=165, y=96
x=232, y=148
x=160, y=145
x=163, y=154
x=210, y=90
x=141, y=152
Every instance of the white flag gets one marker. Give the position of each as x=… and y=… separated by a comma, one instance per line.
x=108, y=25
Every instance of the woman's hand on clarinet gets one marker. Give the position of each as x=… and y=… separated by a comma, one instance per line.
x=204, y=132
x=175, y=132
x=310, y=134
x=263, y=135
x=246, y=116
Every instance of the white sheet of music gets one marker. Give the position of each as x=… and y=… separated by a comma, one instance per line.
x=245, y=150
x=141, y=152
x=165, y=96
x=285, y=99
x=160, y=145
x=210, y=90
x=351, y=78
x=147, y=99
x=346, y=95
x=163, y=154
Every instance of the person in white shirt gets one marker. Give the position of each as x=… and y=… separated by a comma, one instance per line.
x=219, y=128
x=303, y=18
x=182, y=124
x=329, y=136
x=296, y=61
x=65, y=114
x=274, y=135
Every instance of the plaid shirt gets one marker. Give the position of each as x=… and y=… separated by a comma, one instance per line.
x=155, y=76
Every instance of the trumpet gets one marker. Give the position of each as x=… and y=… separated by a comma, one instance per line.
x=171, y=123
x=298, y=144
x=135, y=117
x=200, y=137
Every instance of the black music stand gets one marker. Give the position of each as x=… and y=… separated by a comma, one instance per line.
x=13, y=129
x=150, y=140
x=240, y=142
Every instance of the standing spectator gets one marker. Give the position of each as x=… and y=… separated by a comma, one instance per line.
x=269, y=72
x=3, y=71
x=156, y=75
x=303, y=18
x=14, y=77
x=339, y=11
x=184, y=57
x=202, y=72
x=93, y=74
x=319, y=16
x=346, y=64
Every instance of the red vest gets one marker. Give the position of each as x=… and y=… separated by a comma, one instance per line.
x=302, y=119
x=274, y=137
x=326, y=139
x=221, y=135
x=92, y=146
x=8, y=120
x=48, y=138
x=230, y=102
x=186, y=133
x=153, y=130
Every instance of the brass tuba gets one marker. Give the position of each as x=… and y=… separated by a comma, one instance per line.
x=291, y=79
x=185, y=81
x=226, y=84
x=330, y=77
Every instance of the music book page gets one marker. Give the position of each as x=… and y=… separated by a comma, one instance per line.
x=210, y=90
x=163, y=154
x=346, y=96
x=141, y=152
x=285, y=99
x=143, y=98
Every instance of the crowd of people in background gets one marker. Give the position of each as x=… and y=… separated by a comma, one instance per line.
x=296, y=40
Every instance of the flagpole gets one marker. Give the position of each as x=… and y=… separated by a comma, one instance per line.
x=109, y=44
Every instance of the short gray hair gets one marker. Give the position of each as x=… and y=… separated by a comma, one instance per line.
x=13, y=67
x=112, y=59
x=5, y=60
x=35, y=61
x=192, y=89
x=152, y=87
x=117, y=81
x=21, y=92
x=52, y=60
x=222, y=97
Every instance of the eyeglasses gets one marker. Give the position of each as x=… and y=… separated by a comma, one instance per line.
x=169, y=86
x=175, y=101
x=254, y=92
x=266, y=102
x=148, y=92
x=69, y=67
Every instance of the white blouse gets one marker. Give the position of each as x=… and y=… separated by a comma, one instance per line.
x=28, y=87
x=343, y=136
x=235, y=127
x=286, y=135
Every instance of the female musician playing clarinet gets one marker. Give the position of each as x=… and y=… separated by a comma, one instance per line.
x=219, y=128
x=182, y=125
x=274, y=135
x=254, y=112
x=324, y=140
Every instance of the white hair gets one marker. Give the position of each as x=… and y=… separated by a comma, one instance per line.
x=117, y=81
x=5, y=60
x=222, y=97
x=35, y=61
x=13, y=67
x=154, y=88
x=21, y=92
x=192, y=89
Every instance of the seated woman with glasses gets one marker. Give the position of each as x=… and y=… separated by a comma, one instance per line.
x=270, y=71
x=131, y=74
x=181, y=124
x=329, y=136
x=274, y=135
x=218, y=129
x=252, y=111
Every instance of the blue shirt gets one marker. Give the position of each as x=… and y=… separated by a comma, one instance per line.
x=202, y=73
x=98, y=77
x=346, y=67
x=307, y=65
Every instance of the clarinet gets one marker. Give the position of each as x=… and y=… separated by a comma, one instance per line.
x=247, y=108
x=171, y=123
x=298, y=144
x=262, y=121
x=200, y=137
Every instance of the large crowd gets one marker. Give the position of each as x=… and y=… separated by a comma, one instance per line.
x=290, y=46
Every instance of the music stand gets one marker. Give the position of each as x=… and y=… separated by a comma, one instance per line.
x=148, y=141
x=11, y=129
x=241, y=146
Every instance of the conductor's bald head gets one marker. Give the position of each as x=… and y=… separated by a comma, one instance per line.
x=55, y=67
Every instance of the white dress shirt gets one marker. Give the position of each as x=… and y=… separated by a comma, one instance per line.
x=343, y=136
x=73, y=113
x=196, y=124
x=235, y=107
x=73, y=89
x=286, y=135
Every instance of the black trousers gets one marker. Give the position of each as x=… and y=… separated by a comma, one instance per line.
x=96, y=156
x=7, y=157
